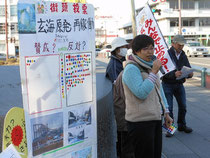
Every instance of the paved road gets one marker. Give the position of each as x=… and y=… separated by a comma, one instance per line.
x=200, y=61
x=10, y=88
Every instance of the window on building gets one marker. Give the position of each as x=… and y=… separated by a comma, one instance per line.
x=204, y=22
x=100, y=33
x=173, y=4
x=2, y=47
x=16, y=51
x=187, y=4
x=2, y=28
x=204, y=4
x=128, y=30
x=201, y=5
x=14, y=28
x=174, y=22
x=13, y=10
x=190, y=4
x=2, y=11
x=188, y=22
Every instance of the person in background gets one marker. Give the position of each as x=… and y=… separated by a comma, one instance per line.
x=118, y=52
x=145, y=100
x=123, y=144
x=173, y=87
x=114, y=67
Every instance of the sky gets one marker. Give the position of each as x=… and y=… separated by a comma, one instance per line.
x=120, y=9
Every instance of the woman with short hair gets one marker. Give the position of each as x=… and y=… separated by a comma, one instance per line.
x=145, y=100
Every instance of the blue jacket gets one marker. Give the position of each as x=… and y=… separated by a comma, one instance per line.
x=114, y=68
x=179, y=63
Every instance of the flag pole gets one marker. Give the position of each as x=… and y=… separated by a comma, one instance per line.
x=133, y=18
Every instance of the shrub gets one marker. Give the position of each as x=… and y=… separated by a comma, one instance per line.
x=12, y=60
x=2, y=62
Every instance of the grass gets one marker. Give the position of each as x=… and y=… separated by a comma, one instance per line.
x=10, y=62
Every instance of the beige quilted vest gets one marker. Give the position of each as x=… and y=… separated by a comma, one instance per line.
x=143, y=110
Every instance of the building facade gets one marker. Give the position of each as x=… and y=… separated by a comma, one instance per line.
x=106, y=28
x=12, y=25
x=195, y=17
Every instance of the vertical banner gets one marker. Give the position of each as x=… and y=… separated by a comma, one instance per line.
x=146, y=24
x=57, y=64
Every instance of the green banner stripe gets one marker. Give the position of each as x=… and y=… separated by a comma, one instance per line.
x=53, y=151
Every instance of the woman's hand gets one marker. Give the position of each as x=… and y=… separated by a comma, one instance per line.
x=156, y=66
x=168, y=120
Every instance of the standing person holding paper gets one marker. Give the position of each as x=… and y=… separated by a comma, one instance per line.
x=173, y=86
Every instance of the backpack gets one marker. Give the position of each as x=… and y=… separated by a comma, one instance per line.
x=119, y=99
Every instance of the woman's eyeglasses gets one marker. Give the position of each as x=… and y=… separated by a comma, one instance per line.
x=148, y=48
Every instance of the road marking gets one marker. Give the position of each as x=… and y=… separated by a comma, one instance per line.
x=199, y=64
x=197, y=78
x=163, y=155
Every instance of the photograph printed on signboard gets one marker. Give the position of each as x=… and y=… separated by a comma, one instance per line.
x=79, y=81
x=27, y=18
x=47, y=133
x=79, y=116
x=76, y=135
x=84, y=153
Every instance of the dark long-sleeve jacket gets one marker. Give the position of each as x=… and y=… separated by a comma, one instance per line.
x=114, y=68
x=179, y=63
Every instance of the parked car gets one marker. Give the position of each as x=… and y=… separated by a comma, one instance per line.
x=106, y=51
x=194, y=48
x=12, y=57
x=2, y=56
x=97, y=50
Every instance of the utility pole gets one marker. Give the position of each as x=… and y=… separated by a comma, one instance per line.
x=180, y=18
x=133, y=18
x=6, y=31
x=105, y=32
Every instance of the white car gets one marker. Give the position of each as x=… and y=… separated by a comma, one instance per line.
x=106, y=53
x=97, y=50
x=2, y=56
x=194, y=48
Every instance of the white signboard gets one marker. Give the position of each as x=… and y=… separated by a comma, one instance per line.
x=57, y=54
x=146, y=24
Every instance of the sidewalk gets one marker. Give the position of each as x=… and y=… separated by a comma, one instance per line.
x=197, y=143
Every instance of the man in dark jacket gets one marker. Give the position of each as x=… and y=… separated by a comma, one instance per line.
x=173, y=86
